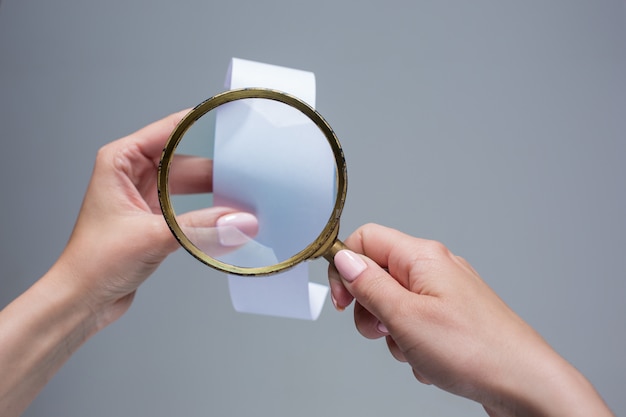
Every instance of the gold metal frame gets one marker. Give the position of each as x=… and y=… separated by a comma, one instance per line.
x=326, y=244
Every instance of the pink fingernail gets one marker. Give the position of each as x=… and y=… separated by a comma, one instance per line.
x=236, y=229
x=382, y=328
x=349, y=264
x=332, y=297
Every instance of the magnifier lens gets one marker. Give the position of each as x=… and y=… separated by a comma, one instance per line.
x=261, y=157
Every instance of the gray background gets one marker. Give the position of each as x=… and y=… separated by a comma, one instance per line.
x=495, y=127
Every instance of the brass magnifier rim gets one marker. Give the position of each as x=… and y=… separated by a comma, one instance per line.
x=325, y=241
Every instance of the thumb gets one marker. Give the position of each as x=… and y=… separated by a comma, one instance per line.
x=218, y=230
x=370, y=285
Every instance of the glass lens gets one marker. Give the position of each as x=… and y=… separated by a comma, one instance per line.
x=253, y=182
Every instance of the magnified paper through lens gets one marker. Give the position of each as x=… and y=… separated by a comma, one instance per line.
x=268, y=159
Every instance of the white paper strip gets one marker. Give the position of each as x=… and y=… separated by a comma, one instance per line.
x=289, y=294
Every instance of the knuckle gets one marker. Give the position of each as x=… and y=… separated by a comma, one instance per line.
x=436, y=250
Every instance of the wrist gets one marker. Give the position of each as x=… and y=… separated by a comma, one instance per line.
x=546, y=385
x=98, y=287
x=566, y=392
x=66, y=304
x=80, y=289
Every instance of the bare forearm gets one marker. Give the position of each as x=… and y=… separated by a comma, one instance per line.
x=39, y=331
x=543, y=384
x=568, y=393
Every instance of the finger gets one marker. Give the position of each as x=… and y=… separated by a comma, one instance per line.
x=373, y=288
x=218, y=230
x=408, y=259
x=151, y=139
x=384, y=246
x=421, y=378
x=367, y=324
x=190, y=174
x=395, y=350
x=196, y=219
x=340, y=296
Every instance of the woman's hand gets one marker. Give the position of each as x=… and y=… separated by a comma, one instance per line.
x=438, y=315
x=120, y=236
x=119, y=239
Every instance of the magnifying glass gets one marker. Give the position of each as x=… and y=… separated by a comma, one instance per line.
x=259, y=151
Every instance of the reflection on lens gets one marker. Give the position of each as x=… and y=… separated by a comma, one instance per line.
x=257, y=156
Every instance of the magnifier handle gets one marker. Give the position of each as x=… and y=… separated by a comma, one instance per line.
x=337, y=245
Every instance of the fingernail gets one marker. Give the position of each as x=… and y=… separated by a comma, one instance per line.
x=332, y=297
x=236, y=229
x=382, y=328
x=349, y=264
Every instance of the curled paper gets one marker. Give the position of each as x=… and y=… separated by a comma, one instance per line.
x=309, y=195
